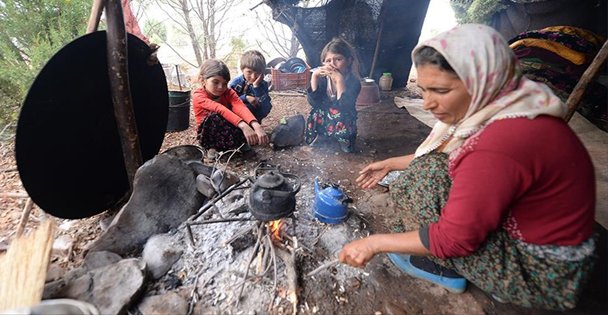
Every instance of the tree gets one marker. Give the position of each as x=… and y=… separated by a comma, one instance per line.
x=31, y=31
x=200, y=20
x=279, y=37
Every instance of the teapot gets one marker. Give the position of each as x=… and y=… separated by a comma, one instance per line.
x=272, y=196
x=330, y=204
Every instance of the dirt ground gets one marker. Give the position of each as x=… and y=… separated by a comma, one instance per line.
x=384, y=131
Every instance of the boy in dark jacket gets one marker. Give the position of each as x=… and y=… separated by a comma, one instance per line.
x=251, y=87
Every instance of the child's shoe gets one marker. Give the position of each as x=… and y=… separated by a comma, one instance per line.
x=425, y=269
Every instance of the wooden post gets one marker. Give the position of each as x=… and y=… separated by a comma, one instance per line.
x=118, y=71
x=95, y=16
x=588, y=76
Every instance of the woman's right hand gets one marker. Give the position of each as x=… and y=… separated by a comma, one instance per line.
x=370, y=175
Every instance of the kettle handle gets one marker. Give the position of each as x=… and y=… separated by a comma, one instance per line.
x=298, y=182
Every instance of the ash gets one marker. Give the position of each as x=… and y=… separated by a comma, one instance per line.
x=212, y=270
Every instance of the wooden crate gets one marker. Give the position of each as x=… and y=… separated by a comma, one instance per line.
x=290, y=81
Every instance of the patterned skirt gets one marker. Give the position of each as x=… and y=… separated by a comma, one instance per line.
x=544, y=276
x=216, y=132
x=331, y=123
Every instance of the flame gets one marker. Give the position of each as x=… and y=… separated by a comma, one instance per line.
x=275, y=228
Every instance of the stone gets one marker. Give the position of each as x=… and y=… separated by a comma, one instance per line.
x=160, y=253
x=54, y=272
x=94, y=260
x=289, y=133
x=169, y=303
x=62, y=245
x=164, y=196
x=112, y=289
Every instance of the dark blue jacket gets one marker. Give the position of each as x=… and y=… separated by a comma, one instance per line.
x=243, y=88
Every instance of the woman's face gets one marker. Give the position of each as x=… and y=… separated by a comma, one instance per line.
x=444, y=94
x=338, y=61
x=215, y=85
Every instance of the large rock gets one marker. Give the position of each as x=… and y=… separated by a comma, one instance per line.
x=164, y=195
x=289, y=132
x=112, y=289
x=170, y=303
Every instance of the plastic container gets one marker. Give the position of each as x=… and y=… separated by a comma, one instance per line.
x=179, y=111
x=386, y=81
x=290, y=81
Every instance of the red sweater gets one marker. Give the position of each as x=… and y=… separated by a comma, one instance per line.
x=533, y=178
x=229, y=106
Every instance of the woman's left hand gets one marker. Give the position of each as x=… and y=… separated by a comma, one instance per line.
x=358, y=253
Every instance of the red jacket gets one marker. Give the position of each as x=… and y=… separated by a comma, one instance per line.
x=533, y=178
x=228, y=105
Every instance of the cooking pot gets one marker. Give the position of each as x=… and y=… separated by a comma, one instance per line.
x=68, y=149
x=273, y=195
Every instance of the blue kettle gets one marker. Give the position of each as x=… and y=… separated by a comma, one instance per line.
x=330, y=204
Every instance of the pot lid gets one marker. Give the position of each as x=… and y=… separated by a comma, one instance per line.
x=270, y=180
x=68, y=149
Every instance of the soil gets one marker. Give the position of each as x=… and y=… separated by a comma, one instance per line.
x=383, y=131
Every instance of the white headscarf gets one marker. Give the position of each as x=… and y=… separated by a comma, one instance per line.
x=487, y=66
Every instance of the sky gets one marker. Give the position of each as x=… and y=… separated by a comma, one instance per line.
x=242, y=20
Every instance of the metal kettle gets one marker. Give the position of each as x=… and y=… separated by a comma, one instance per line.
x=273, y=195
x=330, y=204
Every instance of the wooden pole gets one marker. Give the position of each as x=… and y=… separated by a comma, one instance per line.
x=24, y=217
x=588, y=76
x=118, y=71
x=378, y=40
x=95, y=16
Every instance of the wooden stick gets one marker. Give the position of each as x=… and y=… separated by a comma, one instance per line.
x=23, y=268
x=14, y=195
x=95, y=16
x=323, y=266
x=588, y=76
x=24, y=217
x=289, y=259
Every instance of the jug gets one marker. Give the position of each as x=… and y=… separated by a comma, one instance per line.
x=330, y=204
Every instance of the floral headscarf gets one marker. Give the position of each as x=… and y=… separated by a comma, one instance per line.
x=491, y=74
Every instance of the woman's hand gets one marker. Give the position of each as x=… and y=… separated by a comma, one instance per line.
x=259, y=131
x=249, y=133
x=358, y=253
x=370, y=175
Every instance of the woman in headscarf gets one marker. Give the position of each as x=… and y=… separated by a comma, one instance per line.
x=501, y=192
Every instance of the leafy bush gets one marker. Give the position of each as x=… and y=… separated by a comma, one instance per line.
x=31, y=31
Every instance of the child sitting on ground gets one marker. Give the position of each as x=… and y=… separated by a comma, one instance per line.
x=251, y=87
x=332, y=94
x=223, y=121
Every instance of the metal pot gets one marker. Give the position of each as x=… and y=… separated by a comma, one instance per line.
x=272, y=196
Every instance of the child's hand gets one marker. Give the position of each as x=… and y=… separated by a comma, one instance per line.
x=262, y=136
x=250, y=135
x=252, y=100
x=258, y=81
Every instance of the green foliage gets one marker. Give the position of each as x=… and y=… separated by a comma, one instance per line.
x=237, y=47
x=31, y=31
x=477, y=11
x=156, y=31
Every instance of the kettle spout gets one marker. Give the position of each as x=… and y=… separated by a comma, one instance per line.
x=316, y=185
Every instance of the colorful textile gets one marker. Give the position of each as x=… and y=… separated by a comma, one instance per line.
x=228, y=105
x=571, y=55
x=244, y=89
x=333, y=117
x=217, y=133
x=492, y=76
x=545, y=276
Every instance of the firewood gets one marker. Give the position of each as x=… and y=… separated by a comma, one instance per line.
x=23, y=268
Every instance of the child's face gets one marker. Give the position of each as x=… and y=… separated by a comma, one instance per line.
x=215, y=85
x=338, y=61
x=250, y=75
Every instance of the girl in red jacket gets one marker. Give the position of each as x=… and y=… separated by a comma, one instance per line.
x=223, y=121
